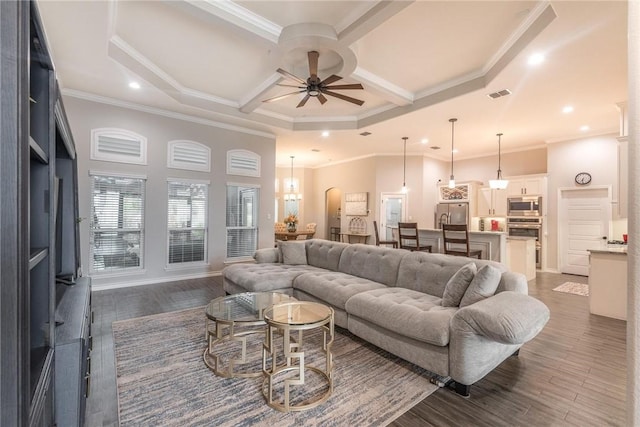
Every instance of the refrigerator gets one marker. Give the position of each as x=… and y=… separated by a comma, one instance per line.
x=451, y=213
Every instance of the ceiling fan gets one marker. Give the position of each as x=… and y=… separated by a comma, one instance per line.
x=314, y=87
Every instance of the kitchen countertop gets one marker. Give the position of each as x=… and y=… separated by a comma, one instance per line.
x=617, y=250
x=520, y=238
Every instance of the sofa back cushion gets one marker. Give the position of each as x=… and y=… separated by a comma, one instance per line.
x=324, y=253
x=372, y=262
x=429, y=273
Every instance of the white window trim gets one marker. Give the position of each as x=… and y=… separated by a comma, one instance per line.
x=246, y=154
x=173, y=164
x=95, y=133
x=130, y=270
x=188, y=265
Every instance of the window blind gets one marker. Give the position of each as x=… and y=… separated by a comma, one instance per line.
x=187, y=222
x=117, y=223
x=242, y=220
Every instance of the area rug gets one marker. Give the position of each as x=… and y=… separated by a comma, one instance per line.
x=162, y=380
x=574, y=288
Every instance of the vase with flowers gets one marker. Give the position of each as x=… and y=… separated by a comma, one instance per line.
x=291, y=220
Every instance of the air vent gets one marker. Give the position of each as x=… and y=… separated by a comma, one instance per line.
x=243, y=162
x=434, y=147
x=315, y=150
x=118, y=145
x=189, y=155
x=500, y=93
x=365, y=133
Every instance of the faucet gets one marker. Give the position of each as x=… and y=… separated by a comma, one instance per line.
x=446, y=219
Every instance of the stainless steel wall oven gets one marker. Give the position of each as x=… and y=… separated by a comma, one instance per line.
x=527, y=227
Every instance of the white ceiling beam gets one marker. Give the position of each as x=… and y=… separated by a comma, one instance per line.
x=254, y=98
x=372, y=19
x=232, y=13
x=383, y=88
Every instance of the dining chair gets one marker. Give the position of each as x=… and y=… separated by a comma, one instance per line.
x=393, y=243
x=408, y=237
x=453, y=234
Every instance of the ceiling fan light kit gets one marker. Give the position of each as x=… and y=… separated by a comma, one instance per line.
x=499, y=183
x=314, y=87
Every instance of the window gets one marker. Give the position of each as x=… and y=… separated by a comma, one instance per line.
x=242, y=220
x=118, y=145
x=243, y=162
x=189, y=155
x=187, y=221
x=117, y=222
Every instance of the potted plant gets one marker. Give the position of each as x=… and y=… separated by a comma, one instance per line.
x=291, y=220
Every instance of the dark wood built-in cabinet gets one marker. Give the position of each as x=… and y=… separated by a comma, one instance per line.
x=42, y=298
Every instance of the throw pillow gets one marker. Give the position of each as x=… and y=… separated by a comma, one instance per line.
x=483, y=285
x=293, y=253
x=458, y=284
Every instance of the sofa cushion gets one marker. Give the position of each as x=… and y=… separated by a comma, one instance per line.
x=324, y=253
x=483, y=285
x=372, y=262
x=335, y=288
x=264, y=277
x=406, y=312
x=429, y=273
x=293, y=253
x=458, y=284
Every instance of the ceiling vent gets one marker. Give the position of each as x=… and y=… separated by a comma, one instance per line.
x=365, y=133
x=434, y=147
x=500, y=93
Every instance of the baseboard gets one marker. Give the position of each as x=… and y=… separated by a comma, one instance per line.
x=153, y=281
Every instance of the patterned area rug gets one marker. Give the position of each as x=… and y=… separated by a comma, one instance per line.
x=162, y=380
x=574, y=288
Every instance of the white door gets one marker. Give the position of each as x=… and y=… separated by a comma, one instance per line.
x=584, y=218
x=391, y=213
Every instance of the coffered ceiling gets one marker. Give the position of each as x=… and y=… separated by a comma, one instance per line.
x=420, y=63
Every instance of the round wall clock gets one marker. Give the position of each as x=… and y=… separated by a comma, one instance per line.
x=583, y=178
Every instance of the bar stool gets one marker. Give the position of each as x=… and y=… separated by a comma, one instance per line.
x=379, y=242
x=408, y=237
x=458, y=234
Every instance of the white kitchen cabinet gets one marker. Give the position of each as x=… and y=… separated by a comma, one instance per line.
x=492, y=202
x=527, y=186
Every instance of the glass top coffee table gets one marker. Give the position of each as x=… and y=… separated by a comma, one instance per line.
x=283, y=320
x=235, y=318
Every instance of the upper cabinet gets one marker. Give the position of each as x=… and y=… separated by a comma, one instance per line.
x=492, y=202
x=527, y=186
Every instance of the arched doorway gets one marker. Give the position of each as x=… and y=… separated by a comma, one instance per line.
x=333, y=208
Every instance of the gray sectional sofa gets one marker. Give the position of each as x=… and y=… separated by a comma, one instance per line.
x=454, y=316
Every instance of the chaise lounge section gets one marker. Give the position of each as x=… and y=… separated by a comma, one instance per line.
x=456, y=317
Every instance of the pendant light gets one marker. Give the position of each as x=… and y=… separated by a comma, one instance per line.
x=404, y=166
x=292, y=195
x=452, y=180
x=499, y=183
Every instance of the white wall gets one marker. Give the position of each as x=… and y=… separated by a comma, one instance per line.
x=85, y=115
x=596, y=155
x=483, y=169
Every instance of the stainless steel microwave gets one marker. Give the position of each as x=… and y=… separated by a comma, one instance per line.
x=524, y=206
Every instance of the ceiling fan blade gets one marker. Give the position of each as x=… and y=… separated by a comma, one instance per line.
x=343, y=97
x=279, y=97
x=313, y=63
x=298, y=86
x=291, y=76
x=343, y=87
x=322, y=98
x=304, y=101
x=332, y=78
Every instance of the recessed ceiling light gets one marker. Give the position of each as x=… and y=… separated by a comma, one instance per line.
x=584, y=128
x=325, y=133
x=425, y=141
x=455, y=150
x=134, y=85
x=536, y=59
x=567, y=109
x=315, y=150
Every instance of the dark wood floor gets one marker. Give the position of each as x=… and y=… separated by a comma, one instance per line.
x=572, y=373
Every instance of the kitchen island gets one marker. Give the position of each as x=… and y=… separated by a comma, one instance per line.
x=493, y=244
x=608, y=282
x=521, y=255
